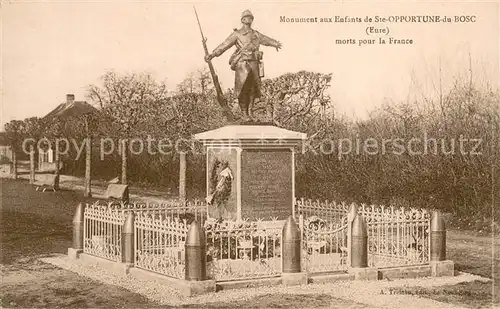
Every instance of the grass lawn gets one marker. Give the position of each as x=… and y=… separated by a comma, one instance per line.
x=471, y=254
x=35, y=223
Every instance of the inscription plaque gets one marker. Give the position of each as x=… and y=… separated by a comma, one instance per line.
x=266, y=183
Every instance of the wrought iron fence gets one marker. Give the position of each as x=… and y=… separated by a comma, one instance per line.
x=243, y=250
x=397, y=236
x=102, y=230
x=327, y=211
x=159, y=243
x=189, y=210
x=324, y=245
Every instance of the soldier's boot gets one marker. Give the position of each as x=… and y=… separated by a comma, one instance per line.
x=250, y=109
x=244, y=110
x=250, y=105
x=245, y=117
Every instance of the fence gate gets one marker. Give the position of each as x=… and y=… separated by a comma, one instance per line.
x=397, y=237
x=324, y=245
x=243, y=250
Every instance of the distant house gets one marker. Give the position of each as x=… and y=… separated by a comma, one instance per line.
x=5, y=155
x=5, y=149
x=70, y=108
x=46, y=160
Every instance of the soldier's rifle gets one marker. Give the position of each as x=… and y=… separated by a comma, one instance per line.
x=220, y=96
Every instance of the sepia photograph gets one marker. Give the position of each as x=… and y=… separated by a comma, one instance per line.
x=249, y=154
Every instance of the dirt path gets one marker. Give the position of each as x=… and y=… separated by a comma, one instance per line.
x=99, y=187
x=345, y=294
x=33, y=284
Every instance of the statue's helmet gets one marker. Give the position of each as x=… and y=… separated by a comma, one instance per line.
x=247, y=13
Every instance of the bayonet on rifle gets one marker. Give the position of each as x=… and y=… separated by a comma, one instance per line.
x=220, y=96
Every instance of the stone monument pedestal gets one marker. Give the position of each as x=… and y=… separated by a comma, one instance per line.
x=259, y=162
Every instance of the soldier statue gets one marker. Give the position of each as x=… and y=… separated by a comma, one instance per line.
x=246, y=62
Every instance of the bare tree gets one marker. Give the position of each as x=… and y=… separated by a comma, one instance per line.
x=14, y=132
x=128, y=99
x=297, y=99
x=197, y=82
x=33, y=129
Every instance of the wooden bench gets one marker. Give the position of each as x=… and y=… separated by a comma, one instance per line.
x=117, y=192
x=49, y=182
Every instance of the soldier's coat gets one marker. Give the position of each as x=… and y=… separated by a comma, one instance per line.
x=247, y=42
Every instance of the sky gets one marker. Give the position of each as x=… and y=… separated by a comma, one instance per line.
x=51, y=48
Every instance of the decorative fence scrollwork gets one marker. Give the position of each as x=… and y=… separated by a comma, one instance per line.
x=189, y=210
x=324, y=245
x=328, y=211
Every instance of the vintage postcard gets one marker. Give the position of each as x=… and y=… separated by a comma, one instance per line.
x=264, y=154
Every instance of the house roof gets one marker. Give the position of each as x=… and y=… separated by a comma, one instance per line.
x=76, y=108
